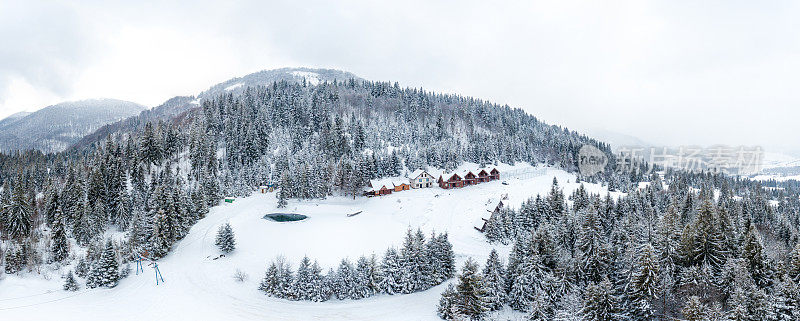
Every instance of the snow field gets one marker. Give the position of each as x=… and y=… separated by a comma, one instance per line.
x=198, y=287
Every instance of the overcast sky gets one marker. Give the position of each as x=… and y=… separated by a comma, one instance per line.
x=671, y=72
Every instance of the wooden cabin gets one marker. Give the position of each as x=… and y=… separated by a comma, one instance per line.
x=401, y=186
x=380, y=187
x=483, y=176
x=494, y=174
x=383, y=190
x=470, y=178
x=448, y=181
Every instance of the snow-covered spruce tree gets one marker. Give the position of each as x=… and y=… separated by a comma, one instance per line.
x=345, y=281
x=786, y=300
x=283, y=190
x=319, y=290
x=494, y=281
x=526, y=281
x=269, y=285
x=391, y=272
x=17, y=221
x=447, y=304
x=600, y=303
x=105, y=271
x=441, y=259
x=225, y=239
x=363, y=279
x=793, y=266
x=70, y=284
x=302, y=286
x=593, y=247
x=59, y=246
x=470, y=297
x=14, y=258
x=702, y=240
x=694, y=310
x=416, y=262
x=753, y=253
x=644, y=283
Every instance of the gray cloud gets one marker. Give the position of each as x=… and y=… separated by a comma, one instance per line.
x=668, y=72
x=44, y=44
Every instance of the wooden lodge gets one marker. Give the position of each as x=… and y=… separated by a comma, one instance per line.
x=386, y=187
x=494, y=174
x=483, y=176
x=467, y=177
x=401, y=186
x=422, y=179
x=470, y=178
x=448, y=181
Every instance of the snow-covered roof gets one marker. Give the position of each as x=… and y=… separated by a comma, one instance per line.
x=417, y=173
x=377, y=183
x=398, y=182
x=492, y=204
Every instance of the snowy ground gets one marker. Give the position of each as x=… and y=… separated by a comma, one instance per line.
x=198, y=287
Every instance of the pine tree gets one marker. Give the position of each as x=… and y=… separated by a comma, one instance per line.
x=526, y=280
x=70, y=284
x=319, y=291
x=593, y=247
x=601, y=303
x=702, y=240
x=391, y=272
x=345, y=281
x=362, y=288
x=17, y=221
x=644, y=282
x=753, y=253
x=494, y=281
x=793, y=268
x=302, y=286
x=447, y=308
x=694, y=310
x=269, y=284
x=225, y=238
x=471, y=296
x=59, y=248
x=283, y=190
x=162, y=238
x=106, y=269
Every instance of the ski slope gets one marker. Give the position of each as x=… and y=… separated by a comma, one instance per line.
x=198, y=287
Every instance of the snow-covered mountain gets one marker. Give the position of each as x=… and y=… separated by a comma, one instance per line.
x=176, y=106
x=13, y=118
x=312, y=76
x=56, y=127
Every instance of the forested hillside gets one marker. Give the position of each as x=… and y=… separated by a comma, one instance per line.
x=710, y=236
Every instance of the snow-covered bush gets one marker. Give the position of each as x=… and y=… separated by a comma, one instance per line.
x=240, y=276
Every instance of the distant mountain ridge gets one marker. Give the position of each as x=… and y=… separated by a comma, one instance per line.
x=13, y=118
x=56, y=127
x=312, y=76
x=176, y=106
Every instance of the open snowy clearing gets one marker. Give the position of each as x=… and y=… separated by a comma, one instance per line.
x=199, y=287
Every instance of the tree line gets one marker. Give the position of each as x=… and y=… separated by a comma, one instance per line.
x=419, y=265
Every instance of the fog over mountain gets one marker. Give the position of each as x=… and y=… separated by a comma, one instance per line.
x=54, y=128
